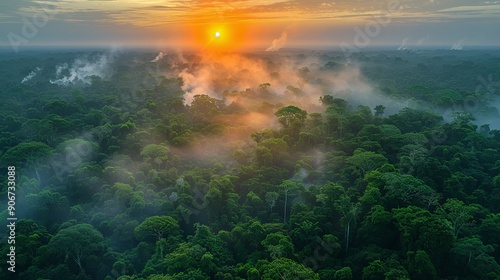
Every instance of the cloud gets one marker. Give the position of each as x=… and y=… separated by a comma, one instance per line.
x=153, y=13
x=82, y=69
x=278, y=43
x=133, y=22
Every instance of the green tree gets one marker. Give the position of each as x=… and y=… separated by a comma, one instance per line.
x=157, y=227
x=377, y=228
x=222, y=201
x=291, y=118
x=421, y=230
x=457, y=213
x=278, y=245
x=366, y=161
x=155, y=154
x=272, y=152
x=344, y=273
x=48, y=206
x=27, y=154
x=474, y=257
x=79, y=242
x=31, y=240
x=414, y=120
x=213, y=244
x=490, y=229
x=374, y=271
x=420, y=266
x=350, y=212
x=253, y=274
x=288, y=188
x=379, y=110
x=286, y=269
x=185, y=258
x=403, y=190
x=271, y=198
x=204, y=107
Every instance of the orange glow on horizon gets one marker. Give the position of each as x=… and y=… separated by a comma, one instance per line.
x=216, y=37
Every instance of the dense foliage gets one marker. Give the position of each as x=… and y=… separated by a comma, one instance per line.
x=120, y=179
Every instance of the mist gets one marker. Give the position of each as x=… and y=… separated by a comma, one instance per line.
x=285, y=78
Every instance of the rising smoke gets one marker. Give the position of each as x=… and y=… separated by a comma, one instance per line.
x=285, y=78
x=82, y=70
x=159, y=57
x=253, y=87
x=31, y=75
x=458, y=46
x=402, y=47
x=278, y=43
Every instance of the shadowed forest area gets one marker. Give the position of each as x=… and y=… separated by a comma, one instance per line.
x=134, y=164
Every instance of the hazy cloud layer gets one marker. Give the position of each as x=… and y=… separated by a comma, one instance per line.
x=121, y=20
x=234, y=10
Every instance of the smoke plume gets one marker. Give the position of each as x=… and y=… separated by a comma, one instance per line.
x=458, y=46
x=31, y=75
x=82, y=69
x=287, y=78
x=402, y=47
x=278, y=43
x=158, y=57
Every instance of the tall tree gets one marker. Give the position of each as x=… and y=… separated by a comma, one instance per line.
x=157, y=227
x=457, y=213
x=366, y=161
x=288, y=187
x=155, y=154
x=271, y=198
x=291, y=118
x=79, y=242
x=350, y=212
x=27, y=154
x=287, y=269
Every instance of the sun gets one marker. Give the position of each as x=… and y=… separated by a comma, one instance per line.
x=217, y=34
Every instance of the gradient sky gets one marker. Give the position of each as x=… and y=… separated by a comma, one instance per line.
x=246, y=23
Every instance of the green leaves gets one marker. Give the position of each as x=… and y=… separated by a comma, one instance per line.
x=421, y=230
x=157, y=227
x=458, y=214
x=366, y=161
x=291, y=117
x=474, y=257
x=403, y=190
x=350, y=213
x=79, y=242
x=26, y=153
x=344, y=273
x=420, y=266
x=155, y=154
x=283, y=268
x=278, y=245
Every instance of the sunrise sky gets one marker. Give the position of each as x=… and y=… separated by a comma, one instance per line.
x=250, y=24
